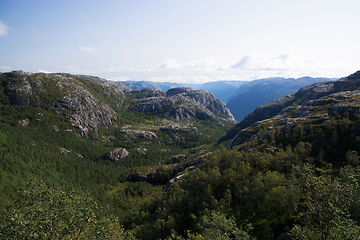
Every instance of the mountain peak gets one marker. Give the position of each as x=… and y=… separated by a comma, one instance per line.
x=354, y=76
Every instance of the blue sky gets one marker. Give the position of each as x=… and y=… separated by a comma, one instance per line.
x=181, y=41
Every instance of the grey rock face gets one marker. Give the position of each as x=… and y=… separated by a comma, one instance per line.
x=18, y=88
x=88, y=112
x=184, y=104
x=68, y=94
x=145, y=93
x=117, y=154
x=147, y=135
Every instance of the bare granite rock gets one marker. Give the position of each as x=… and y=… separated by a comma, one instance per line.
x=69, y=94
x=88, y=113
x=147, y=135
x=117, y=154
x=184, y=104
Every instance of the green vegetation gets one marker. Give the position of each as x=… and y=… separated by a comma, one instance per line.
x=300, y=179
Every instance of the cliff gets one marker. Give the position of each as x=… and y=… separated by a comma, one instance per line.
x=184, y=104
x=75, y=98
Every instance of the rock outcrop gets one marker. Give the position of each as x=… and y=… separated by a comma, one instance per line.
x=146, y=93
x=88, y=112
x=72, y=96
x=184, y=104
x=313, y=114
x=117, y=154
x=134, y=134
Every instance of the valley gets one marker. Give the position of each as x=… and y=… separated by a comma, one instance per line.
x=83, y=157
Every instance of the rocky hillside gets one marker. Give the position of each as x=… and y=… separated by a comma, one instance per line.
x=74, y=127
x=307, y=112
x=252, y=94
x=90, y=103
x=183, y=104
x=294, y=175
x=310, y=92
x=119, y=85
x=241, y=97
x=86, y=105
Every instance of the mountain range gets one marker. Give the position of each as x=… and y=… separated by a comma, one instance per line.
x=241, y=97
x=82, y=157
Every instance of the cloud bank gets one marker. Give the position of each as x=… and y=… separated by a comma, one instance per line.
x=248, y=67
x=89, y=50
x=206, y=63
x=260, y=65
x=3, y=29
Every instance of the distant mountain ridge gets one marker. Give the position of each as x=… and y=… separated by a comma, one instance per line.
x=91, y=103
x=241, y=97
x=299, y=103
x=309, y=108
x=259, y=92
x=164, y=86
x=223, y=90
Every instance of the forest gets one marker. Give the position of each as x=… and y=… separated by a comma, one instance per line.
x=292, y=181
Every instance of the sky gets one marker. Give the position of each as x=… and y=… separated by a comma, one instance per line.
x=187, y=41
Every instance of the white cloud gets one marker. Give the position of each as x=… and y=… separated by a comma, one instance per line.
x=249, y=67
x=288, y=65
x=5, y=68
x=123, y=78
x=171, y=64
x=43, y=71
x=78, y=70
x=209, y=63
x=267, y=61
x=3, y=29
x=181, y=79
x=90, y=50
x=206, y=63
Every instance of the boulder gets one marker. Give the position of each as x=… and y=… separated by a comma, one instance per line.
x=117, y=154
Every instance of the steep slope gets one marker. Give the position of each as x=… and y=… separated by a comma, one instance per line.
x=310, y=92
x=313, y=104
x=184, y=104
x=258, y=92
x=66, y=94
x=310, y=120
x=241, y=97
x=224, y=90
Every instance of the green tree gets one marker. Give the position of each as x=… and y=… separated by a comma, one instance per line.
x=325, y=212
x=352, y=158
x=217, y=226
x=46, y=213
